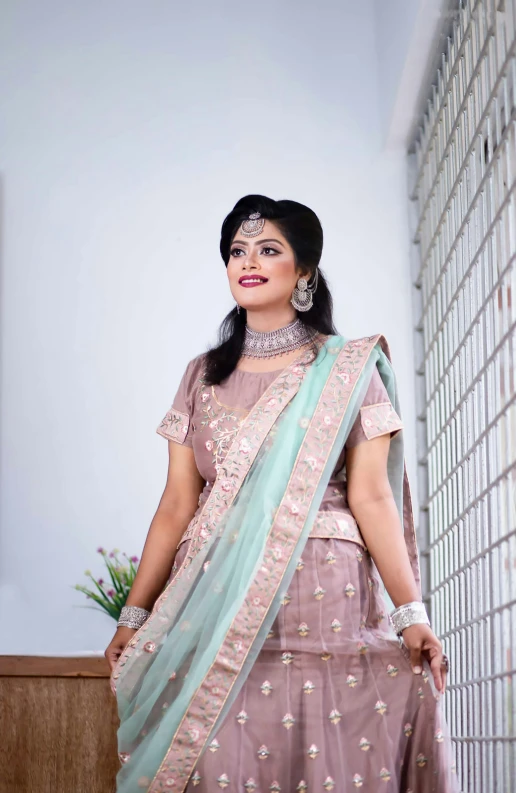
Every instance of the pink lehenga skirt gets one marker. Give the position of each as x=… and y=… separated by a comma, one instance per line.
x=331, y=702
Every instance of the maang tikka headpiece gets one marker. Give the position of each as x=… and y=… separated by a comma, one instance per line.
x=253, y=225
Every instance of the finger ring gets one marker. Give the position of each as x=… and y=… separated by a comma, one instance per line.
x=445, y=663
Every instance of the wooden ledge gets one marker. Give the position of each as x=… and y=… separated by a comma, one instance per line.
x=49, y=666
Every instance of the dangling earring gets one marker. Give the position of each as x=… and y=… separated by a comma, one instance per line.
x=302, y=296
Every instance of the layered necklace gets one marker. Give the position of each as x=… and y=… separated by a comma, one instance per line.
x=269, y=344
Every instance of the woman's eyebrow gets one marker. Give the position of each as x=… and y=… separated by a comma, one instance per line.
x=260, y=242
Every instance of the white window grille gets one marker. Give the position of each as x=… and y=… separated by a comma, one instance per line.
x=463, y=185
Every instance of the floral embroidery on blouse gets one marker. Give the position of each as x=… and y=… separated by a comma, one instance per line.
x=224, y=424
x=379, y=419
x=174, y=426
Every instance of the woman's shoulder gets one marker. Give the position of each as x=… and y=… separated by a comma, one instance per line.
x=194, y=369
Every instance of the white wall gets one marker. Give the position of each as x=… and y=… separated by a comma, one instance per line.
x=410, y=37
x=129, y=131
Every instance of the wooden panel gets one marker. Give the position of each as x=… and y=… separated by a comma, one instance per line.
x=58, y=735
x=47, y=666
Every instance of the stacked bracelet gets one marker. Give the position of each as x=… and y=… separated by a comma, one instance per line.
x=409, y=614
x=133, y=617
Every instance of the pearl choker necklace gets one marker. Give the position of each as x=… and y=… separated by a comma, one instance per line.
x=269, y=344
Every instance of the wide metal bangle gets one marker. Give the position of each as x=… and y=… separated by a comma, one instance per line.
x=409, y=614
x=133, y=617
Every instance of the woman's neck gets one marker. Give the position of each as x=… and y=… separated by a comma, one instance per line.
x=265, y=321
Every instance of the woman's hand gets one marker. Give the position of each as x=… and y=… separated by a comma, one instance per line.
x=118, y=644
x=422, y=643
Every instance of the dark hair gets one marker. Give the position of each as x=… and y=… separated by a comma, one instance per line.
x=302, y=229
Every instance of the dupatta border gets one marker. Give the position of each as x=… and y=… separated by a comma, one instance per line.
x=289, y=520
x=230, y=477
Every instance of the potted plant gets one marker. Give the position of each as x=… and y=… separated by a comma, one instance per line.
x=110, y=595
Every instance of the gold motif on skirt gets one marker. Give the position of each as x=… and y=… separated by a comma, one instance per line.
x=288, y=720
x=380, y=707
x=266, y=688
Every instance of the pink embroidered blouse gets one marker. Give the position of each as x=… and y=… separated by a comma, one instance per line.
x=207, y=418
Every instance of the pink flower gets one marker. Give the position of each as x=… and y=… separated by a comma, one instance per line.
x=209, y=445
x=134, y=559
x=185, y=427
x=110, y=593
x=327, y=420
x=101, y=550
x=368, y=422
x=277, y=552
x=256, y=601
x=297, y=370
x=100, y=581
x=271, y=402
x=213, y=424
x=205, y=397
x=294, y=509
x=344, y=377
x=225, y=485
x=244, y=446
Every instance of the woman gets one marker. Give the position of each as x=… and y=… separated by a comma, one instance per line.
x=268, y=662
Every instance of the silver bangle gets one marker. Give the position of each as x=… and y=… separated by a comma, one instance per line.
x=132, y=617
x=409, y=614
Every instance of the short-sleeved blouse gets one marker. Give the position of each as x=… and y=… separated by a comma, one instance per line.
x=207, y=418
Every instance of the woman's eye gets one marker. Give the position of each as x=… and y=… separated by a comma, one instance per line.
x=269, y=249
x=236, y=251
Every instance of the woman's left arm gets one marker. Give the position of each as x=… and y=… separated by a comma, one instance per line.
x=372, y=503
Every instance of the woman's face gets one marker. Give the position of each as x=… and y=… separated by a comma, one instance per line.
x=262, y=269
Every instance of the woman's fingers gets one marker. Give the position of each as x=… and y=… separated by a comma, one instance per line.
x=415, y=660
x=435, y=658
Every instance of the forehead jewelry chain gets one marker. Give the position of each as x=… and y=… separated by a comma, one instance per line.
x=268, y=344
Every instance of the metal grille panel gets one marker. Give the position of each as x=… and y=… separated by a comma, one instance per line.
x=463, y=184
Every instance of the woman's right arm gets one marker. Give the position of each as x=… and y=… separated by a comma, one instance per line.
x=175, y=511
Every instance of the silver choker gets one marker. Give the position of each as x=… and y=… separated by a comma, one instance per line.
x=269, y=344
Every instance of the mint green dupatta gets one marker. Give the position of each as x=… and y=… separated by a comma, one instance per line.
x=181, y=672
